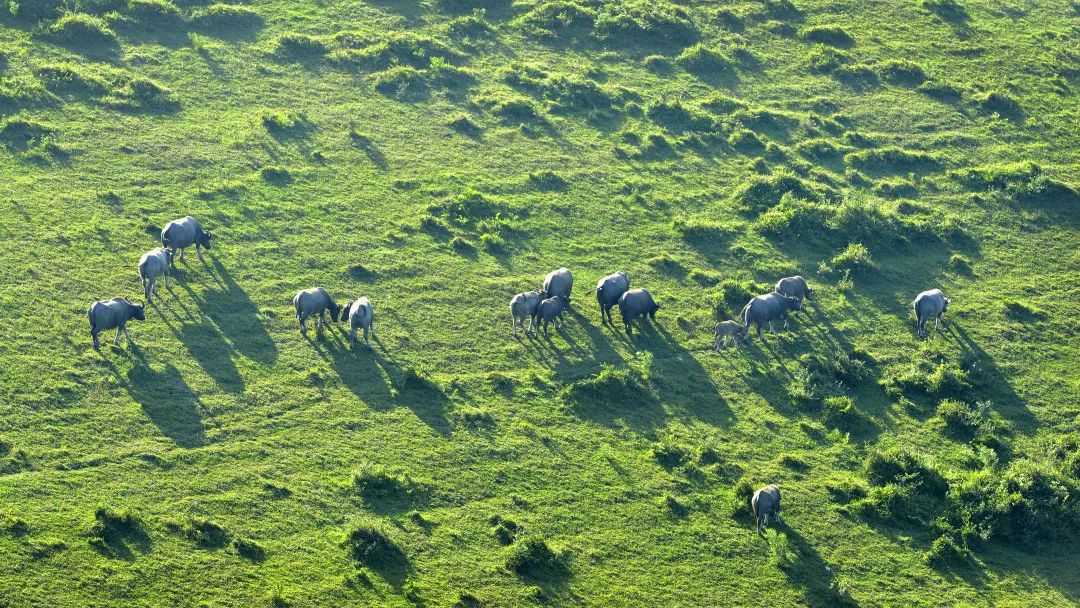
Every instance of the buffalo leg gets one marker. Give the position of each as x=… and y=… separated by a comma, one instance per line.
x=97, y=342
x=127, y=335
x=116, y=342
x=198, y=250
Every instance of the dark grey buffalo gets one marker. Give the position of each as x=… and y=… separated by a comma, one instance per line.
x=608, y=291
x=185, y=232
x=314, y=301
x=929, y=304
x=360, y=313
x=107, y=314
x=766, y=502
x=523, y=306
x=766, y=309
x=558, y=284
x=552, y=309
x=153, y=264
x=727, y=333
x=637, y=303
x=794, y=287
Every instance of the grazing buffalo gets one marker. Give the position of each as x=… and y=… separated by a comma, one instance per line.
x=929, y=304
x=314, y=301
x=185, y=232
x=360, y=313
x=766, y=309
x=794, y=287
x=153, y=264
x=552, y=309
x=766, y=502
x=637, y=303
x=608, y=291
x=107, y=314
x=727, y=333
x=558, y=284
x=525, y=305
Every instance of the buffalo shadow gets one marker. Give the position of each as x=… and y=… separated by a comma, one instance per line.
x=237, y=317
x=169, y=403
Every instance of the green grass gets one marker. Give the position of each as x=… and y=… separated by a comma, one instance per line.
x=439, y=160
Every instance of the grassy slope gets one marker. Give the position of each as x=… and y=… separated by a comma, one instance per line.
x=222, y=396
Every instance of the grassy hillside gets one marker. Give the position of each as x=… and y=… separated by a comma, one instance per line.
x=440, y=156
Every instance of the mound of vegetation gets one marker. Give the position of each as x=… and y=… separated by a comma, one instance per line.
x=567, y=91
x=376, y=483
x=468, y=6
x=704, y=60
x=554, y=18
x=826, y=60
x=893, y=160
x=227, y=17
x=298, y=47
x=371, y=545
x=1026, y=181
x=832, y=35
x=402, y=82
x=19, y=132
x=902, y=72
x=675, y=117
x=610, y=385
x=532, y=557
x=904, y=468
x=929, y=373
x=115, y=526
x=111, y=87
x=397, y=49
x=763, y=192
x=21, y=92
x=83, y=32
x=155, y=13
x=637, y=22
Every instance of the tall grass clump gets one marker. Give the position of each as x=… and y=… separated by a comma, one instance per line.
x=637, y=22
x=904, y=468
x=371, y=544
x=554, y=18
x=293, y=46
x=84, y=31
x=219, y=16
x=533, y=557
x=155, y=13
x=832, y=35
x=701, y=59
x=894, y=160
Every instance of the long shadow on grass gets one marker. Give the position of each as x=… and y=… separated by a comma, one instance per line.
x=811, y=574
x=168, y=401
x=365, y=372
x=990, y=380
x=237, y=316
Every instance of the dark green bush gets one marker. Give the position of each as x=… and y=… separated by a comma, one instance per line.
x=946, y=550
x=506, y=531
x=859, y=77
x=465, y=125
x=611, y=384
x=517, y=111
x=674, y=117
x=959, y=417
x=18, y=132
x=903, y=468
x=896, y=189
x=832, y=35
x=855, y=257
x=821, y=150
x=206, y=533
x=548, y=181
x=220, y=16
x=155, y=13
x=670, y=455
x=941, y=91
x=761, y=192
x=949, y=10
x=557, y=17
x=646, y=22
x=371, y=545
x=825, y=60
x=249, y=549
x=113, y=525
x=402, y=82
x=902, y=72
x=994, y=102
x=374, y=482
x=838, y=409
x=700, y=59
x=531, y=556
x=468, y=6
x=299, y=46
x=893, y=160
x=83, y=31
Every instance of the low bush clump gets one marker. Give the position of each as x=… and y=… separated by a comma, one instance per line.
x=84, y=31
x=929, y=373
x=506, y=531
x=902, y=72
x=838, y=409
x=531, y=556
x=155, y=13
x=548, y=181
x=206, y=533
x=646, y=22
x=1025, y=181
x=674, y=117
x=553, y=18
x=959, y=417
x=220, y=16
x=701, y=59
x=859, y=77
x=249, y=549
x=295, y=46
x=611, y=384
x=903, y=468
x=372, y=545
x=896, y=189
x=832, y=35
x=821, y=150
x=893, y=160
x=765, y=191
x=826, y=60
x=746, y=141
x=281, y=122
x=114, y=525
x=947, y=550
x=19, y=132
x=855, y=258
x=941, y=91
x=468, y=6
x=402, y=82
x=516, y=111
x=374, y=482
x=949, y=10
x=465, y=125
x=994, y=102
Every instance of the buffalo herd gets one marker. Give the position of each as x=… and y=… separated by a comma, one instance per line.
x=531, y=311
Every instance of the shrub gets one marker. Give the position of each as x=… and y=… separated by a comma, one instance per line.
x=858, y=77
x=902, y=72
x=557, y=17
x=746, y=141
x=468, y=6
x=18, y=132
x=611, y=384
x=206, y=533
x=793, y=462
x=531, y=556
x=893, y=160
x=465, y=125
x=82, y=30
x=516, y=111
x=856, y=257
x=946, y=550
x=821, y=150
x=761, y=192
x=371, y=545
x=959, y=417
x=276, y=175
x=505, y=531
x=838, y=409
x=700, y=59
x=832, y=35
x=670, y=455
x=941, y=91
x=658, y=64
x=646, y=22
x=949, y=10
x=896, y=189
x=404, y=48
x=278, y=121
x=1025, y=181
x=548, y=180
x=1025, y=502
x=993, y=102
x=220, y=16
x=722, y=104
x=469, y=27
x=299, y=46
x=403, y=82
x=374, y=482
x=249, y=549
x=673, y=116
x=11, y=525
x=903, y=468
x=113, y=525
x=155, y=13
x=825, y=60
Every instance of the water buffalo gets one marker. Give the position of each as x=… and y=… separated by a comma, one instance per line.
x=766, y=309
x=637, y=303
x=928, y=304
x=314, y=301
x=552, y=309
x=727, y=333
x=153, y=264
x=360, y=313
x=107, y=314
x=766, y=502
x=608, y=291
x=525, y=305
x=794, y=287
x=185, y=232
x=558, y=284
